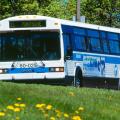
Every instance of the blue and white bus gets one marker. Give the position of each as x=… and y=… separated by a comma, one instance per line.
x=38, y=47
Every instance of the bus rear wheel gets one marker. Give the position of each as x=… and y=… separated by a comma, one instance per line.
x=78, y=80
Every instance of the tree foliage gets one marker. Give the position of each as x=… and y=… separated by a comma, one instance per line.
x=101, y=12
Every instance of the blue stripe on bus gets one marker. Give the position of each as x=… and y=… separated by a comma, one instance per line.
x=112, y=60
x=108, y=59
x=28, y=70
x=77, y=56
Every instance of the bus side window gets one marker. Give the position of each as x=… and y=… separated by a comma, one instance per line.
x=114, y=43
x=104, y=42
x=67, y=46
x=94, y=44
x=79, y=43
x=105, y=46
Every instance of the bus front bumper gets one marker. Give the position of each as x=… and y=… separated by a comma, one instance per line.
x=27, y=76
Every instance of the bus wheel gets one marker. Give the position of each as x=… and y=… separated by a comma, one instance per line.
x=78, y=80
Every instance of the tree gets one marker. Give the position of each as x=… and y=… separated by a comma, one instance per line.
x=4, y=9
x=102, y=12
x=64, y=9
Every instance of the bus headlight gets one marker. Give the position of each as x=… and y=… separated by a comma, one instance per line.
x=56, y=69
x=1, y=71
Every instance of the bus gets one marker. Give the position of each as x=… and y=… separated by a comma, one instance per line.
x=34, y=47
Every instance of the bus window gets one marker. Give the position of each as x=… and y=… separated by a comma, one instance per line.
x=45, y=46
x=103, y=34
x=30, y=45
x=105, y=46
x=21, y=47
x=79, y=31
x=113, y=36
x=114, y=47
x=94, y=41
x=94, y=45
x=114, y=43
x=79, y=43
x=66, y=39
x=93, y=33
x=104, y=42
x=9, y=47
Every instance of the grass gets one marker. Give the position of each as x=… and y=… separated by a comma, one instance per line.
x=44, y=102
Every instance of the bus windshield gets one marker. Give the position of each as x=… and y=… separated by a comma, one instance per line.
x=30, y=45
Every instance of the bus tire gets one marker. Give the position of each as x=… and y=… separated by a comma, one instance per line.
x=119, y=84
x=78, y=79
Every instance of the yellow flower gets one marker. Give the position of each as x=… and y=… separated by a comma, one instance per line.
x=10, y=107
x=49, y=107
x=66, y=115
x=58, y=113
x=71, y=94
x=19, y=98
x=81, y=108
x=22, y=105
x=76, y=118
x=2, y=114
x=16, y=109
x=110, y=98
x=76, y=112
x=17, y=105
x=40, y=105
x=17, y=118
x=52, y=118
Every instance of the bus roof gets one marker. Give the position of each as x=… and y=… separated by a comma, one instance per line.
x=59, y=21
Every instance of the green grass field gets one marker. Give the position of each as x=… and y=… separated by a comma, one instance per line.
x=44, y=102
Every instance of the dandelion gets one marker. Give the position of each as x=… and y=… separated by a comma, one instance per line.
x=109, y=98
x=49, y=107
x=40, y=105
x=58, y=113
x=52, y=118
x=66, y=115
x=76, y=112
x=2, y=114
x=71, y=94
x=76, y=118
x=17, y=118
x=10, y=107
x=16, y=104
x=80, y=108
x=22, y=105
x=16, y=109
x=19, y=98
